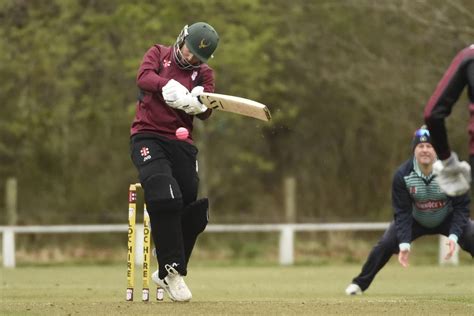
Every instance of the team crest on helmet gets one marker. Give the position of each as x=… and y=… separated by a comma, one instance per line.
x=203, y=44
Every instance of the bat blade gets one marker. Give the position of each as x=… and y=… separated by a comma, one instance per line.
x=236, y=105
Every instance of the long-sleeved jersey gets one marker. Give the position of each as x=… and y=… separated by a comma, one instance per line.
x=459, y=74
x=153, y=115
x=418, y=197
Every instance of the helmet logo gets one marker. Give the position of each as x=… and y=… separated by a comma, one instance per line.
x=203, y=44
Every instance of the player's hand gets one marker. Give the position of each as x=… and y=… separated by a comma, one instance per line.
x=193, y=106
x=403, y=257
x=453, y=176
x=196, y=107
x=197, y=91
x=190, y=103
x=178, y=97
x=174, y=91
x=452, y=247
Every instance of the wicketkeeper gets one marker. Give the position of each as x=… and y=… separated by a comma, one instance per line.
x=454, y=177
x=169, y=79
x=420, y=208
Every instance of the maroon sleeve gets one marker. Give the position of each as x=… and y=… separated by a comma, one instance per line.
x=207, y=81
x=147, y=77
x=444, y=97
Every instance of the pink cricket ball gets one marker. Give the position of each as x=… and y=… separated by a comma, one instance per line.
x=182, y=133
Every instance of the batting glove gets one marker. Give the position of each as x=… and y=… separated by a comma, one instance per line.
x=453, y=176
x=174, y=91
x=190, y=103
x=197, y=91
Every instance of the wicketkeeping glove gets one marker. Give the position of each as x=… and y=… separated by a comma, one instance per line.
x=453, y=176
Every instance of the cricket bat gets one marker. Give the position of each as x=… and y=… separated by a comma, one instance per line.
x=236, y=105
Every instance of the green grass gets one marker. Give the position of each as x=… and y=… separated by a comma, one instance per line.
x=241, y=290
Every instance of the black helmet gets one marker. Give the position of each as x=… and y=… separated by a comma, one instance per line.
x=201, y=40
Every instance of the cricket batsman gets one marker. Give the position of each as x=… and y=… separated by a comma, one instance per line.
x=163, y=151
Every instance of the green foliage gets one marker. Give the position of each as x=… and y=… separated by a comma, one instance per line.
x=346, y=82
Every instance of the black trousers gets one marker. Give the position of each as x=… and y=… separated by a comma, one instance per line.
x=388, y=245
x=167, y=168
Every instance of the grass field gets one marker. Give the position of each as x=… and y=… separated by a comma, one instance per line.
x=241, y=290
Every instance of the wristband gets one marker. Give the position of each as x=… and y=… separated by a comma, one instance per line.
x=453, y=237
x=404, y=246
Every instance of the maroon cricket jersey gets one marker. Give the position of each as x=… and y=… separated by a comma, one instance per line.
x=459, y=74
x=153, y=115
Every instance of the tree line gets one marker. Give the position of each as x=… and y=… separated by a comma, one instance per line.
x=346, y=82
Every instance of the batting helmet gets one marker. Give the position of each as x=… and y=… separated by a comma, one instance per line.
x=201, y=40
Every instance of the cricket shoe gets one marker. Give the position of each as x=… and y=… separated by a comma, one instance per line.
x=353, y=289
x=173, y=284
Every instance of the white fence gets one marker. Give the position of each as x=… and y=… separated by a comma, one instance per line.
x=286, y=231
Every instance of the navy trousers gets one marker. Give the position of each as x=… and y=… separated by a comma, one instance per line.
x=388, y=246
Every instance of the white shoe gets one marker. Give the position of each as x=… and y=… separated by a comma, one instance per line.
x=160, y=283
x=353, y=289
x=173, y=284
